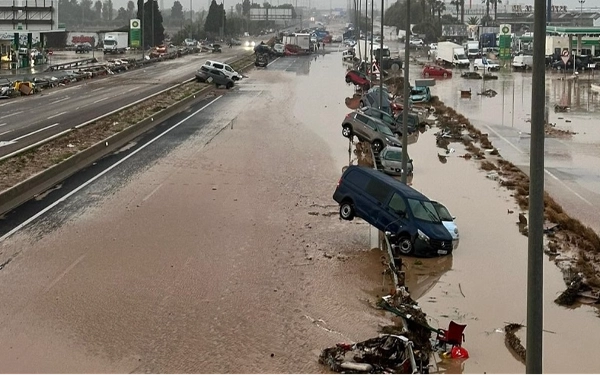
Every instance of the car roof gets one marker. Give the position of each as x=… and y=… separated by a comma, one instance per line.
x=215, y=62
x=405, y=189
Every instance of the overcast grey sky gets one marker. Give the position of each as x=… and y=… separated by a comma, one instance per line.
x=325, y=4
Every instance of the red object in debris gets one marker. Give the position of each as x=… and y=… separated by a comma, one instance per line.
x=453, y=335
x=436, y=71
x=459, y=352
x=358, y=78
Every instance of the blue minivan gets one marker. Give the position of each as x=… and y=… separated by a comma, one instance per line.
x=391, y=206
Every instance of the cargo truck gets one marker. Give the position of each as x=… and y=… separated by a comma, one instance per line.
x=115, y=42
x=472, y=48
x=449, y=53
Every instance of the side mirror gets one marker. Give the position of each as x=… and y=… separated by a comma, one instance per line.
x=388, y=233
x=453, y=217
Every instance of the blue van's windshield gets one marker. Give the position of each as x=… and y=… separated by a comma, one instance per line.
x=423, y=210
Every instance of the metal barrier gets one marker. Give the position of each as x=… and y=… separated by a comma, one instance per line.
x=71, y=64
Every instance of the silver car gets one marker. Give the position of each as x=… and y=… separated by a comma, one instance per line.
x=369, y=129
x=391, y=161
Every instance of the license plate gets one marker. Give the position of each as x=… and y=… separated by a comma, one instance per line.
x=442, y=252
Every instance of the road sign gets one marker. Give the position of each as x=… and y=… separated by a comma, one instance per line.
x=565, y=56
x=505, y=29
x=135, y=33
x=505, y=47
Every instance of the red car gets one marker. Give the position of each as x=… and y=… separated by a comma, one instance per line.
x=436, y=71
x=358, y=79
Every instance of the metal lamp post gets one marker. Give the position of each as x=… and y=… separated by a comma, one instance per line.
x=191, y=21
x=581, y=2
x=406, y=93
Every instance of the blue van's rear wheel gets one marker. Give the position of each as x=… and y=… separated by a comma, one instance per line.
x=405, y=245
x=347, y=211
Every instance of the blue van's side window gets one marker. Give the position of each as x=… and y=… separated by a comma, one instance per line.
x=397, y=203
x=378, y=190
x=359, y=179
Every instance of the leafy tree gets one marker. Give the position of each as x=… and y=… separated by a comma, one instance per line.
x=98, y=10
x=215, y=17
x=140, y=5
x=130, y=8
x=266, y=4
x=487, y=10
x=107, y=10
x=122, y=14
x=456, y=3
x=246, y=7
x=439, y=7
x=177, y=11
x=495, y=3
x=238, y=9
x=156, y=36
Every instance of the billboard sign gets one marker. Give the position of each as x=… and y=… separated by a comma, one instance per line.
x=266, y=14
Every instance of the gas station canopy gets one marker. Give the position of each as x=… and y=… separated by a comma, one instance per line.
x=574, y=31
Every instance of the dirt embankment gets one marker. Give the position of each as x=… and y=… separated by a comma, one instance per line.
x=574, y=247
x=20, y=167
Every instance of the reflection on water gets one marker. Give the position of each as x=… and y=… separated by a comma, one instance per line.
x=423, y=274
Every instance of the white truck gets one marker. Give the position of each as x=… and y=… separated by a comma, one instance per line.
x=449, y=53
x=472, y=48
x=303, y=41
x=115, y=42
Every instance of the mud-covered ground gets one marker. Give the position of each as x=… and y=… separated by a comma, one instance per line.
x=218, y=249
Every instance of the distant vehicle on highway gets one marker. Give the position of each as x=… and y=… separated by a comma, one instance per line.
x=235, y=42
x=369, y=129
x=190, y=42
x=116, y=42
x=208, y=75
x=83, y=48
x=416, y=42
x=485, y=64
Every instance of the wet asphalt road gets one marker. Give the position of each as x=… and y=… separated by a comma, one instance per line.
x=26, y=120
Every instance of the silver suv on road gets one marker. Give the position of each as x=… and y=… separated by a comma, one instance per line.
x=370, y=130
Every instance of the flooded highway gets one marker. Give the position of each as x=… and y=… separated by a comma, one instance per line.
x=213, y=244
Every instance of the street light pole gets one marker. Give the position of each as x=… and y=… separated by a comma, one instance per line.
x=406, y=94
x=191, y=21
x=581, y=2
x=535, y=238
x=381, y=60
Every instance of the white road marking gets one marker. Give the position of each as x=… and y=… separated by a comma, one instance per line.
x=151, y=193
x=130, y=90
x=34, y=132
x=273, y=61
x=56, y=115
x=6, y=132
x=3, y=104
x=12, y=114
x=64, y=273
x=4, y=123
x=61, y=100
x=101, y=100
x=98, y=89
x=545, y=170
x=91, y=180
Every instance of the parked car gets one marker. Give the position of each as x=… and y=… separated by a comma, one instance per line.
x=436, y=71
x=348, y=55
x=406, y=216
x=369, y=129
x=416, y=42
x=235, y=42
x=394, y=123
x=448, y=221
x=522, y=62
x=225, y=68
x=371, y=99
x=215, y=48
x=420, y=94
x=250, y=43
x=83, y=48
x=279, y=49
x=210, y=75
x=391, y=161
x=485, y=64
x=581, y=63
x=359, y=79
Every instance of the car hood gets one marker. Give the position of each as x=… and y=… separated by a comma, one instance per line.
x=452, y=228
x=435, y=231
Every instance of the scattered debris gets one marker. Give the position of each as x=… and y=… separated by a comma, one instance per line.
x=513, y=342
x=489, y=93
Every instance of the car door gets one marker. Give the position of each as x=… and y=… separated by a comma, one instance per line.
x=360, y=126
x=393, y=216
x=372, y=131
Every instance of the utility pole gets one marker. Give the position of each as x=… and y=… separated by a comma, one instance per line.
x=143, y=21
x=381, y=60
x=152, y=14
x=191, y=20
x=406, y=92
x=223, y=21
x=366, y=29
x=371, y=52
x=535, y=238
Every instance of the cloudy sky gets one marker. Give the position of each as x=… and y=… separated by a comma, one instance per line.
x=325, y=4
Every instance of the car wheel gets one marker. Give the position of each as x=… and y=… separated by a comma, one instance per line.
x=377, y=146
x=347, y=131
x=362, y=104
x=404, y=245
x=346, y=211
x=426, y=74
x=398, y=135
x=475, y=68
x=348, y=80
x=229, y=85
x=445, y=75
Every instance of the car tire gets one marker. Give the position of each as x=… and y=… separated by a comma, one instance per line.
x=426, y=75
x=362, y=104
x=347, y=211
x=347, y=131
x=348, y=80
x=229, y=85
x=475, y=68
x=377, y=145
x=404, y=245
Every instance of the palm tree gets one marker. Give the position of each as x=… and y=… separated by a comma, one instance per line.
x=456, y=3
x=473, y=21
x=440, y=7
x=462, y=11
x=496, y=2
x=487, y=9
